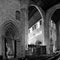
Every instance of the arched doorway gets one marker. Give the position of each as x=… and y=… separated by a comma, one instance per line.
x=9, y=33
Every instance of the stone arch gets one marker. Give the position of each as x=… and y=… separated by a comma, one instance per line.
x=9, y=34
x=42, y=14
x=40, y=10
x=51, y=11
x=9, y=24
x=49, y=14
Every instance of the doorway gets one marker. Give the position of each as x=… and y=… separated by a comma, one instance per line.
x=10, y=48
x=9, y=37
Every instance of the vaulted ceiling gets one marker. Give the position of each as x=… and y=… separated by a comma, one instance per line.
x=44, y=4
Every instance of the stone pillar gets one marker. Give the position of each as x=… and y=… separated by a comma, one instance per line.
x=1, y=44
x=46, y=34
x=23, y=29
x=58, y=35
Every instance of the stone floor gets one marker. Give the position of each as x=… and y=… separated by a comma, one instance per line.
x=44, y=57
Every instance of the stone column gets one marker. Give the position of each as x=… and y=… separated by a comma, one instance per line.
x=58, y=35
x=23, y=29
x=2, y=45
x=46, y=34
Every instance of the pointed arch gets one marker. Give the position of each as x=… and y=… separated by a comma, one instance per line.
x=10, y=27
x=51, y=11
x=40, y=10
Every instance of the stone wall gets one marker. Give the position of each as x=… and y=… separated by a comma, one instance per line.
x=8, y=10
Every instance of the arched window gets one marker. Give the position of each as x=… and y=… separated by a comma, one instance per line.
x=40, y=22
x=17, y=15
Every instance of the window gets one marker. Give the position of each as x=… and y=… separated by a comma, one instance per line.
x=40, y=22
x=30, y=29
x=38, y=25
x=17, y=15
x=34, y=27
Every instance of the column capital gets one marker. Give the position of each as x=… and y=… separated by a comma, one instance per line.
x=24, y=3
